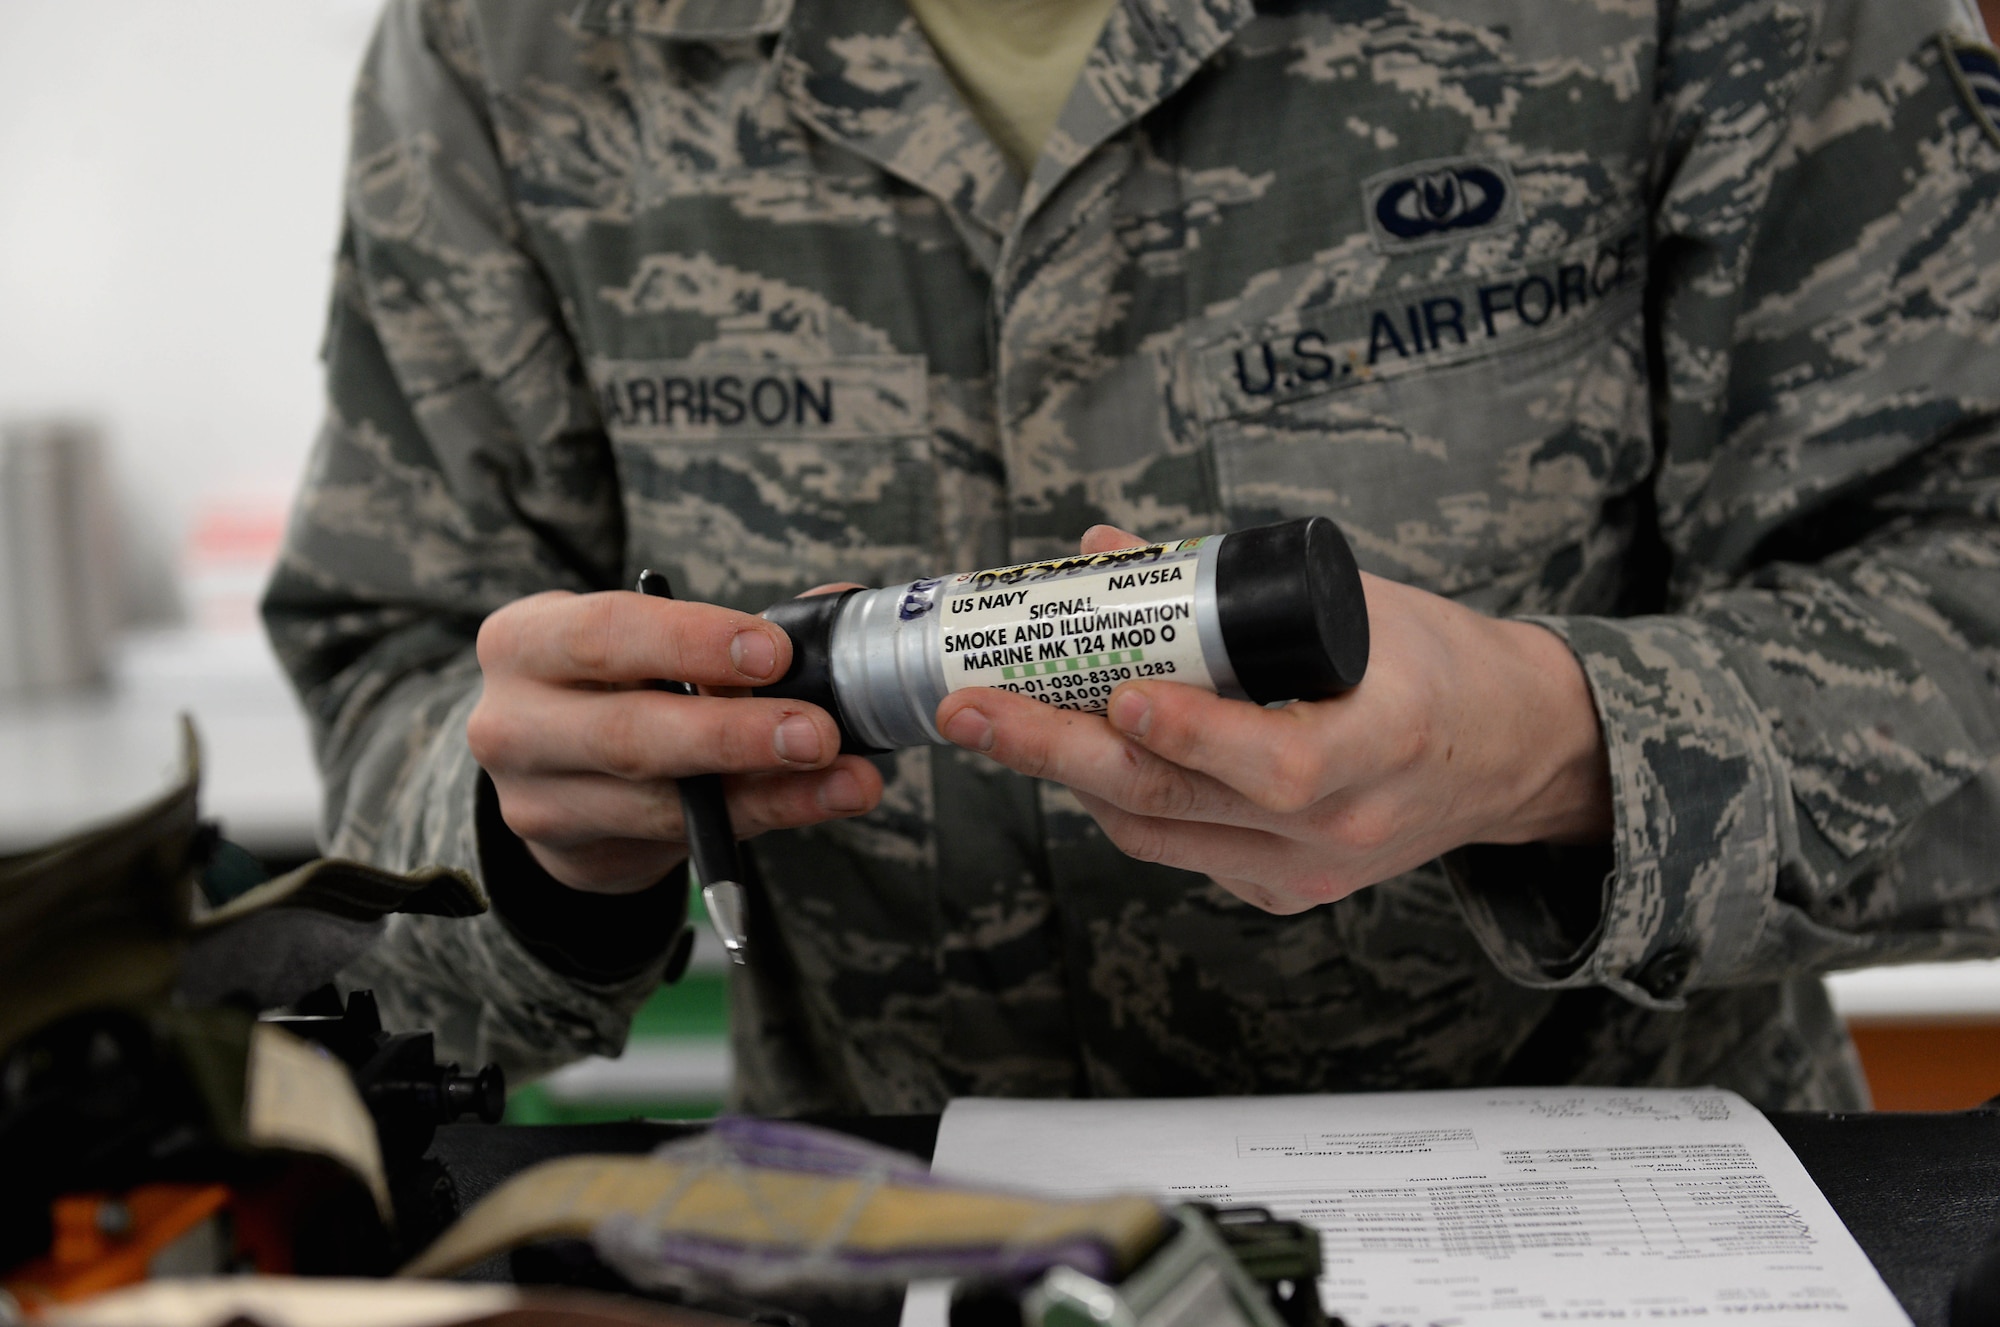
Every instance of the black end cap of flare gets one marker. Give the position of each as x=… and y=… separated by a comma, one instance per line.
x=809, y=622
x=1292, y=613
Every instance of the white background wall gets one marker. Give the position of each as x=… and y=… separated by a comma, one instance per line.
x=169, y=194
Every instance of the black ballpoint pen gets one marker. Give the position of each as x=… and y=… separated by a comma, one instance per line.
x=711, y=838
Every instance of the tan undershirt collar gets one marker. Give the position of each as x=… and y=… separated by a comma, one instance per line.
x=1015, y=61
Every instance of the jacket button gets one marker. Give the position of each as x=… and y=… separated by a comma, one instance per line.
x=1666, y=972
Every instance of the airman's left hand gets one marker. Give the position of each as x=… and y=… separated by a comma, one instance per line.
x=1466, y=729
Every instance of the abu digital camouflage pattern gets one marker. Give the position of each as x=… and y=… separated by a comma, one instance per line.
x=1670, y=324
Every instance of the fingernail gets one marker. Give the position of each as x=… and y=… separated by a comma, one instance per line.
x=1131, y=713
x=840, y=794
x=968, y=728
x=753, y=654
x=798, y=741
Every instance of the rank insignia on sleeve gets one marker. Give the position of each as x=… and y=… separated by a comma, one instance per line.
x=1976, y=70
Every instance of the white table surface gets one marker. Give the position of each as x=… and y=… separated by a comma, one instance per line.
x=69, y=761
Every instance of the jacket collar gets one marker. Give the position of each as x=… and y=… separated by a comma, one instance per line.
x=862, y=73
x=1148, y=50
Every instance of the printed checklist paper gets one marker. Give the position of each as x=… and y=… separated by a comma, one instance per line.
x=1481, y=1208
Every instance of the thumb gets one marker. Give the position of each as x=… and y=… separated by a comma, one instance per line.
x=1107, y=539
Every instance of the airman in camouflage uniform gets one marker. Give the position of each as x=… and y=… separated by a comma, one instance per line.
x=1669, y=324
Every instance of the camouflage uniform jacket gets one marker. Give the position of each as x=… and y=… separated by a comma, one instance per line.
x=1671, y=324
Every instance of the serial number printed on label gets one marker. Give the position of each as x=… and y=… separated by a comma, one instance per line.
x=1069, y=630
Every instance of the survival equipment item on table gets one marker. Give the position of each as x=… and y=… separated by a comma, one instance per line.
x=785, y=1222
x=150, y=1124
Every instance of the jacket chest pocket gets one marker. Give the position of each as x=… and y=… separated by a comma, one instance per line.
x=750, y=481
x=1466, y=435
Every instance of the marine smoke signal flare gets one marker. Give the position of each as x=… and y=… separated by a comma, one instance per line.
x=1266, y=614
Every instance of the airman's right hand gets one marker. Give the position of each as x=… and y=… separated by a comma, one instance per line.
x=584, y=754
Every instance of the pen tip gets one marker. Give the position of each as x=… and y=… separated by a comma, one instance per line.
x=725, y=912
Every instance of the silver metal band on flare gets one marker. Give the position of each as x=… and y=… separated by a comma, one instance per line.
x=889, y=673
x=1208, y=622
